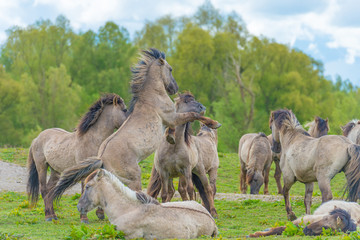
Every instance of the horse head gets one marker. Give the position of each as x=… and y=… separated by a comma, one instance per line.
x=339, y=219
x=322, y=127
x=90, y=197
x=186, y=103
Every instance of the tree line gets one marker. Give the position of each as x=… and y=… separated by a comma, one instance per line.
x=49, y=74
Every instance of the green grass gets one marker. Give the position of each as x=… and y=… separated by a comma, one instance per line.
x=236, y=218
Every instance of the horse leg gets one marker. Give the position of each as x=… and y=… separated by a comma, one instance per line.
x=287, y=185
x=165, y=187
x=182, y=188
x=277, y=176
x=212, y=178
x=49, y=207
x=266, y=180
x=324, y=186
x=209, y=201
x=243, y=184
x=189, y=183
x=309, y=187
x=171, y=190
x=42, y=171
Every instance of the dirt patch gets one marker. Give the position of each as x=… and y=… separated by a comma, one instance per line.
x=14, y=178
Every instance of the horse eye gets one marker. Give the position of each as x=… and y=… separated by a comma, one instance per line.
x=87, y=187
x=170, y=69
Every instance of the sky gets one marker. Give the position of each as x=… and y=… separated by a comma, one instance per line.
x=327, y=30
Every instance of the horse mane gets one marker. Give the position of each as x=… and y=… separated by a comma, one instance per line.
x=284, y=118
x=90, y=118
x=139, y=73
x=136, y=196
x=350, y=125
x=187, y=133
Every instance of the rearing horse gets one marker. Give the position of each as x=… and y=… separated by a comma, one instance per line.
x=151, y=110
x=307, y=159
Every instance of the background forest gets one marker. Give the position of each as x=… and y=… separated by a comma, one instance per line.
x=49, y=74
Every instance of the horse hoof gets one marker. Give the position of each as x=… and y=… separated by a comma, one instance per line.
x=100, y=215
x=85, y=221
x=49, y=219
x=217, y=126
x=292, y=216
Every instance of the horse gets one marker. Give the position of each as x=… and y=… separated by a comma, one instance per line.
x=190, y=158
x=255, y=160
x=141, y=216
x=352, y=131
x=317, y=128
x=307, y=159
x=59, y=149
x=150, y=111
x=334, y=214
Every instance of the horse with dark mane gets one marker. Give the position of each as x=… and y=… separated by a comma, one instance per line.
x=336, y=215
x=317, y=128
x=141, y=216
x=190, y=158
x=151, y=110
x=307, y=159
x=352, y=131
x=59, y=149
x=255, y=160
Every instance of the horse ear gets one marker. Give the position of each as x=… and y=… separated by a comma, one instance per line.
x=161, y=61
x=115, y=100
x=327, y=120
x=100, y=174
x=317, y=119
x=338, y=221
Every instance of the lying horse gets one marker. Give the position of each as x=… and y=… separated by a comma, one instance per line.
x=191, y=158
x=59, y=149
x=317, y=128
x=140, y=216
x=352, y=131
x=255, y=160
x=337, y=215
x=151, y=110
x=307, y=159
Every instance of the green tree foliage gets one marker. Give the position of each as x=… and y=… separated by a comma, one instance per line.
x=53, y=74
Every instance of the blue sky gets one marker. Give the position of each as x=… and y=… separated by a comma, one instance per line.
x=328, y=30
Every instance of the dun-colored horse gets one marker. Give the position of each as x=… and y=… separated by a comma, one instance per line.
x=307, y=159
x=255, y=160
x=59, y=149
x=191, y=158
x=352, y=131
x=140, y=216
x=317, y=128
x=337, y=215
x=151, y=110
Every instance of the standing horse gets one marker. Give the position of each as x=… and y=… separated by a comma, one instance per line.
x=317, y=128
x=352, y=131
x=307, y=159
x=59, y=149
x=191, y=158
x=255, y=160
x=140, y=216
x=337, y=215
x=151, y=110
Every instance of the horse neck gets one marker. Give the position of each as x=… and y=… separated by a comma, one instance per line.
x=103, y=127
x=287, y=136
x=114, y=202
x=180, y=133
x=312, y=130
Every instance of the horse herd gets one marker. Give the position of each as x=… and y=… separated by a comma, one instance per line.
x=106, y=162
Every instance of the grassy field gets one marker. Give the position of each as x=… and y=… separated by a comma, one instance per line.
x=236, y=218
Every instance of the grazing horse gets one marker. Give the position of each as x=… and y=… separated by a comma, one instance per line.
x=307, y=159
x=317, y=128
x=151, y=110
x=352, y=131
x=255, y=160
x=191, y=158
x=59, y=149
x=141, y=216
x=335, y=214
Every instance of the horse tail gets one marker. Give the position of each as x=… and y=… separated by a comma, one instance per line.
x=33, y=179
x=200, y=187
x=73, y=175
x=154, y=186
x=353, y=173
x=272, y=231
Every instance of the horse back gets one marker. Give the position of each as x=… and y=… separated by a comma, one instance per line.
x=207, y=152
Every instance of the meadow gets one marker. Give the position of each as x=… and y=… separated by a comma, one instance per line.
x=236, y=218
